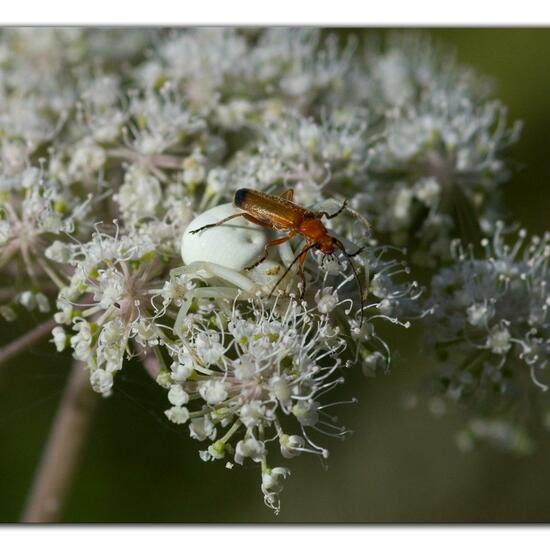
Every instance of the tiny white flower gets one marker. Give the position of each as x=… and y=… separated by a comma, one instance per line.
x=217, y=450
x=386, y=306
x=327, y=299
x=306, y=412
x=499, y=340
x=5, y=231
x=374, y=364
x=249, y=448
x=291, y=445
x=217, y=180
x=102, y=382
x=213, y=391
x=59, y=338
x=177, y=396
x=252, y=413
x=193, y=170
x=42, y=302
x=177, y=415
x=208, y=347
x=164, y=380
x=205, y=455
x=58, y=252
x=281, y=389
x=111, y=287
x=245, y=369
x=272, y=485
x=181, y=371
x=8, y=313
x=86, y=159
x=28, y=300
x=379, y=285
x=201, y=428
x=139, y=196
x=479, y=314
x=427, y=191
x=402, y=205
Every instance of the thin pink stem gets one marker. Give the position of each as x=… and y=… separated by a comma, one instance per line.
x=62, y=453
x=150, y=362
x=26, y=341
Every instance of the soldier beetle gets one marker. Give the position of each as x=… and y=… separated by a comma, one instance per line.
x=281, y=214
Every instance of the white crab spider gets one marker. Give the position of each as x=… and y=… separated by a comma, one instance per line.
x=220, y=255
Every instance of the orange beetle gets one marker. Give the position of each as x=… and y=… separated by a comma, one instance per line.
x=281, y=214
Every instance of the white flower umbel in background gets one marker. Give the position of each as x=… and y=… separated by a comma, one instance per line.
x=491, y=329
x=444, y=159
x=240, y=76
x=439, y=160
x=329, y=155
x=35, y=211
x=50, y=165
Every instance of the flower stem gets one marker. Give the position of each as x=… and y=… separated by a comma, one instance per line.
x=150, y=361
x=61, y=456
x=24, y=342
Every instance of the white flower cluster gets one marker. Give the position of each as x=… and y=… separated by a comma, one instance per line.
x=236, y=379
x=241, y=366
x=435, y=170
x=115, y=144
x=34, y=210
x=312, y=156
x=50, y=165
x=107, y=301
x=242, y=75
x=491, y=324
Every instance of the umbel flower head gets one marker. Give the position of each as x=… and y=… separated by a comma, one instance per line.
x=491, y=325
x=35, y=210
x=237, y=381
x=107, y=301
x=251, y=371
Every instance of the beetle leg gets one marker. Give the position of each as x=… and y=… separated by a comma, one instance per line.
x=243, y=214
x=300, y=257
x=330, y=216
x=268, y=245
x=288, y=194
x=352, y=254
x=358, y=251
x=301, y=262
x=208, y=226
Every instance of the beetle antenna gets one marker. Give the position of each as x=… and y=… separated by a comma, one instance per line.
x=306, y=249
x=354, y=269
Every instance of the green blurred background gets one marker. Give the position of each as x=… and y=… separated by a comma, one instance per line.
x=398, y=466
